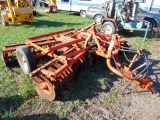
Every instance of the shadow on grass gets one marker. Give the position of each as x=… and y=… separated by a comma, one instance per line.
x=40, y=117
x=154, y=70
x=10, y=65
x=93, y=80
x=74, y=13
x=89, y=82
x=69, y=13
x=9, y=104
x=127, y=33
x=34, y=117
x=38, y=14
x=47, y=24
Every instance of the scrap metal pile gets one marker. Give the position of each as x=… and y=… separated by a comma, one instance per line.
x=68, y=50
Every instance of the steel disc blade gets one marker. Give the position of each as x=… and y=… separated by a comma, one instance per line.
x=69, y=73
x=45, y=89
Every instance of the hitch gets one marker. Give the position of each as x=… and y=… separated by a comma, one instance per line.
x=67, y=51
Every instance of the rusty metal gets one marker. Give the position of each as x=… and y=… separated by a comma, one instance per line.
x=157, y=32
x=69, y=49
x=50, y=9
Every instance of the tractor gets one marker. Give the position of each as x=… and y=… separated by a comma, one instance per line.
x=122, y=14
x=16, y=11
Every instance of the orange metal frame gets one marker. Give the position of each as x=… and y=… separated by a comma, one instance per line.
x=74, y=45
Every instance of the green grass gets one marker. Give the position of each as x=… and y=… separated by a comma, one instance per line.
x=111, y=96
x=18, y=97
x=17, y=91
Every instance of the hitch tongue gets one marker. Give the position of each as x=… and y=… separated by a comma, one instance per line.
x=147, y=84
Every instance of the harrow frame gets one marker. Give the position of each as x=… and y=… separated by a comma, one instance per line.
x=68, y=50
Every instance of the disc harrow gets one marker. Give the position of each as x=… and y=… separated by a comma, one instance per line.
x=67, y=51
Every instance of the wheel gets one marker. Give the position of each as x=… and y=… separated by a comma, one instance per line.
x=35, y=13
x=3, y=22
x=38, y=4
x=45, y=89
x=25, y=59
x=98, y=18
x=45, y=5
x=109, y=28
x=83, y=13
x=152, y=22
x=42, y=4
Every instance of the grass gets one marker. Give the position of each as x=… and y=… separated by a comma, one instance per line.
x=111, y=96
x=18, y=98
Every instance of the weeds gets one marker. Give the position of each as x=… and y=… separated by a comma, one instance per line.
x=111, y=96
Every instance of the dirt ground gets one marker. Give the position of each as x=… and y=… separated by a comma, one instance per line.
x=109, y=103
x=135, y=104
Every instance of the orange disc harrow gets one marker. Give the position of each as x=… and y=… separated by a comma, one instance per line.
x=69, y=50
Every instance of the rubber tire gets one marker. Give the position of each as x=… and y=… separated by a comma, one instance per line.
x=28, y=57
x=3, y=22
x=98, y=16
x=45, y=5
x=152, y=22
x=111, y=25
x=83, y=13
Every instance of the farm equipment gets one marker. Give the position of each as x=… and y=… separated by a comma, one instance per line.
x=68, y=50
x=2, y=4
x=16, y=11
x=49, y=5
x=122, y=14
x=52, y=8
